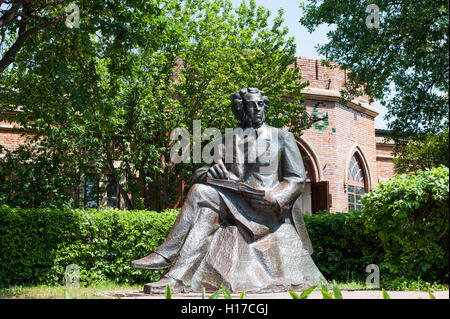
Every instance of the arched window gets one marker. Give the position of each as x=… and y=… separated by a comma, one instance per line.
x=356, y=184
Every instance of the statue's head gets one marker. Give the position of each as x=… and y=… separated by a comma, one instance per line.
x=249, y=105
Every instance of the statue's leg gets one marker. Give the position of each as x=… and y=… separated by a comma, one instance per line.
x=200, y=198
x=204, y=207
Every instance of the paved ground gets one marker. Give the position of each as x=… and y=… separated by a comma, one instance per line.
x=346, y=294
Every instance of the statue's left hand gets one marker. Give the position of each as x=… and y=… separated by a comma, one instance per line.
x=266, y=201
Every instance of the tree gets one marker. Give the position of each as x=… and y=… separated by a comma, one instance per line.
x=109, y=93
x=418, y=155
x=20, y=19
x=409, y=52
x=32, y=178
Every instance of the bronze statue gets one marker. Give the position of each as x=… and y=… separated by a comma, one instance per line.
x=238, y=226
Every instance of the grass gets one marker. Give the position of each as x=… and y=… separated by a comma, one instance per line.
x=57, y=292
x=395, y=285
x=98, y=291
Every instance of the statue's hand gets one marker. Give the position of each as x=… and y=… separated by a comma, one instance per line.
x=264, y=201
x=218, y=171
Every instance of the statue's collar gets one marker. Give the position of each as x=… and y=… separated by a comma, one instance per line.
x=263, y=131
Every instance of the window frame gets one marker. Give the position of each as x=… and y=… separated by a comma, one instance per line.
x=97, y=186
x=356, y=188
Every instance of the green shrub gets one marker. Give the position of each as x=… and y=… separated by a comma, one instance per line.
x=403, y=228
x=409, y=215
x=37, y=244
x=341, y=249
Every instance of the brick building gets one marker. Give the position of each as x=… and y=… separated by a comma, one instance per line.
x=345, y=156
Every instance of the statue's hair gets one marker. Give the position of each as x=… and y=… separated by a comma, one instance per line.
x=237, y=103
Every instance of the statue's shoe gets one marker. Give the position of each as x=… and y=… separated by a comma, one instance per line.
x=151, y=262
x=160, y=287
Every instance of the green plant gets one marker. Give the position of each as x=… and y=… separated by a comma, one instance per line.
x=108, y=94
x=384, y=55
x=215, y=295
x=426, y=151
x=168, y=292
x=404, y=284
x=304, y=295
x=336, y=294
x=409, y=215
x=431, y=295
x=341, y=249
x=36, y=245
x=224, y=291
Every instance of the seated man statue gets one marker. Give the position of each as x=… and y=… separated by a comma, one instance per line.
x=238, y=225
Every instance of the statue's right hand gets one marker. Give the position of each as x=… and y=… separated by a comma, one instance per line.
x=218, y=171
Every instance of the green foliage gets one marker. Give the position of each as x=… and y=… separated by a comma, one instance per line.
x=36, y=245
x=405, y=284
x=293, y=295
x=215, y=295
x=427, y=152
x=168, y=292
x=409, y=215
x=33, y=178
x=404, y=63
x=203, y=292
x=324, y=290
x=337, y=293
x=304, y=295
x=21, y=20
x=385, y=294
x=341, y=249
x=226, y=293
x=108, y=94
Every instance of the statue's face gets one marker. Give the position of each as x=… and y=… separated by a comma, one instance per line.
x=254, y=107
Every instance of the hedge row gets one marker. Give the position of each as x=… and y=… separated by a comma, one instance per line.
x=36, y=245
x=341, y=249
x=403, y=229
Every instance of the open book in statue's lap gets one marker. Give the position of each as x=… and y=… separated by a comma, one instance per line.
x=237, y=226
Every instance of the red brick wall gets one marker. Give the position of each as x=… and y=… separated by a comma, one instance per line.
x=334, y=148
x=385, y=164
x=322, y=77
x=351, y=128
x=9, y=139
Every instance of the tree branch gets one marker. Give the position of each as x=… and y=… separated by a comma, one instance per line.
x=9, y=15
x=10, y=55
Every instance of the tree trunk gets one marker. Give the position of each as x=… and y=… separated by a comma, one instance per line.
x=123, y=193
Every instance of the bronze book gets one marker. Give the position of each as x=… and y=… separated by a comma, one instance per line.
x=235, y=186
